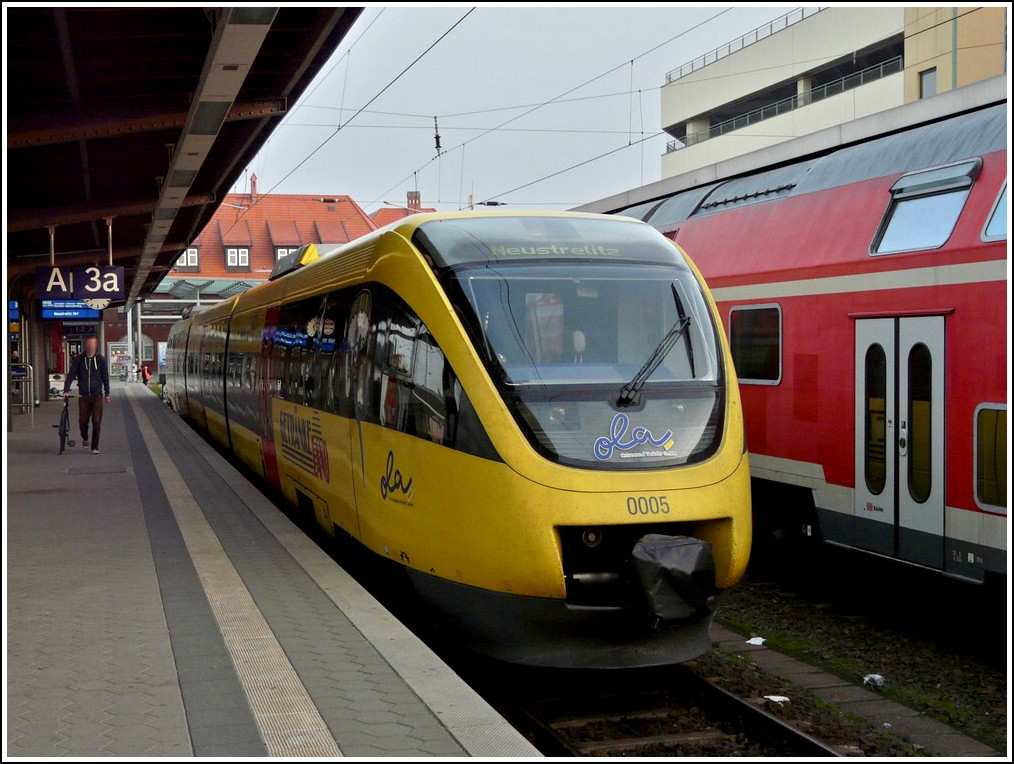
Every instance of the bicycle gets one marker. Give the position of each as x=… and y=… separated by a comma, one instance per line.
x=64, y=427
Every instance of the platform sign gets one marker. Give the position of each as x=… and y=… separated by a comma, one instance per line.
x=64, y=310
x=13, y=311
x=80, y=282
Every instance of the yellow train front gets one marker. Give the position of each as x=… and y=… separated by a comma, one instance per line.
x=535, y=414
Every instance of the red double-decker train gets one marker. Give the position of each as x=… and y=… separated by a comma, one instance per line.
x=864, y=291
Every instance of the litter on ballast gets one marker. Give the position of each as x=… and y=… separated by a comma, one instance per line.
x=779, y=699
x=876, y=681
x=756, y=641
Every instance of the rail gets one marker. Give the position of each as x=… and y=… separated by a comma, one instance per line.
x=21, y=382
x=835, y=87
x=765, y=30
x=647, y=722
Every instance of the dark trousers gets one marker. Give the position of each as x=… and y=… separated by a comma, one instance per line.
x=90, y=408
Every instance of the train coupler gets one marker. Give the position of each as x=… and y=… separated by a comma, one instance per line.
x=676, y=576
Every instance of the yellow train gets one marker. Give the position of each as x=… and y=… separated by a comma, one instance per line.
x=535, y=414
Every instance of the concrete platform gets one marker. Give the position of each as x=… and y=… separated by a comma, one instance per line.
x=937, y=738
x=157, y=604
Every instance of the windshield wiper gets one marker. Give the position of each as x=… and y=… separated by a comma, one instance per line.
x=630, y=391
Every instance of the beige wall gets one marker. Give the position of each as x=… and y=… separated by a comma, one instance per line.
x=860, y=102
x=930, y=38
x=981, y=41
x=828, y=35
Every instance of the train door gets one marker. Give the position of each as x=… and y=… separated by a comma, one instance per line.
x=899, y=496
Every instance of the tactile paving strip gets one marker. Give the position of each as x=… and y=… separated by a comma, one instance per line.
x=286, y=716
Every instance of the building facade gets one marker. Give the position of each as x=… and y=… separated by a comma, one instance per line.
x=815, y=68
x=237, y=250
x=387, y=215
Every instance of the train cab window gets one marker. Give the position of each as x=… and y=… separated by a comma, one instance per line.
x=996, y=226
x=924, y=208
x=991, y=457
x=755, y=337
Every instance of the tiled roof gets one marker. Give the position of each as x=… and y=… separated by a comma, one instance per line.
x=265, y=222
x=236, y=234
x=387, y=215
x=284, y=233
x=331, y=230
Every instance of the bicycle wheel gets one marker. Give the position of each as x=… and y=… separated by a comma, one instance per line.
x=64, y=427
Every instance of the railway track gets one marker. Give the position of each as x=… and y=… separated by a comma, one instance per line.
x=692, y=718
x=662, y=711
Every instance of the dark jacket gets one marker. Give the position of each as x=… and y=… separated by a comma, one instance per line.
x=92, y=375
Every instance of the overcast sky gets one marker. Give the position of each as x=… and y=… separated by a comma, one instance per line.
x=495, y=65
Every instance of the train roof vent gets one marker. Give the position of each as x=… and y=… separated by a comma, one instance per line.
x=302, y=256
x=676, y=209
x=640, y=211
x=750, y=196
x=937, y=180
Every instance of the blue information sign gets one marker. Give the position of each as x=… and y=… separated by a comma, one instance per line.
x=57, y=310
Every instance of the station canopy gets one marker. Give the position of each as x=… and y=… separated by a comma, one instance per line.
x=145, y=116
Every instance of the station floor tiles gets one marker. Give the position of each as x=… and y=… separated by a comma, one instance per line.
x=158, y=604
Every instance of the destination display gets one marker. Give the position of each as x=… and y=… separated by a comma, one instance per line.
x=57, y=310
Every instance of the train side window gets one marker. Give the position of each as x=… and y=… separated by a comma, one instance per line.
x=920, y=407
x=991, y=457
x=329, y=348
x=925, y=207
x=356, y=379
x=395, y=384
x=435, y=391
x=875, y=437
x=996, y=226
x=401, y=332
x=292, y=350
x=755, y=338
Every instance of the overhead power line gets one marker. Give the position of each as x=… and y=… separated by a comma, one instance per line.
x=579, y=164
x=338, y=129
x=383, y=90
x=562, y=95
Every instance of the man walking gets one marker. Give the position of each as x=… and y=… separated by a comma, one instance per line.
x=92, y=374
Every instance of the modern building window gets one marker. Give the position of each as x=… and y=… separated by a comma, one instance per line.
x=928, y=83
x=189, y=258
x=755, y=335
x=996, y=227
x=924, y=208
x=991, y=457
x=237, y=257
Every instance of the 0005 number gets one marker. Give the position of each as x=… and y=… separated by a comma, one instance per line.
x=648, y=505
